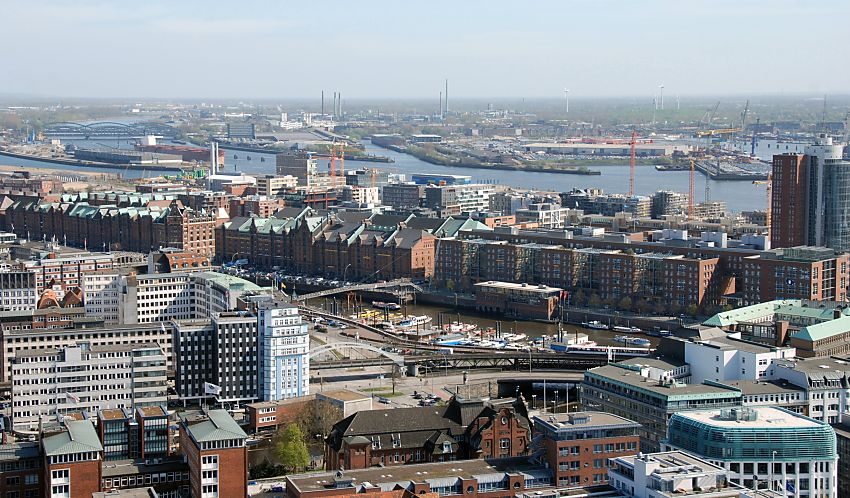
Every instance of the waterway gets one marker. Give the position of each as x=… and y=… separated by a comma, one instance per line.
x=450, y=313
x=739, y=196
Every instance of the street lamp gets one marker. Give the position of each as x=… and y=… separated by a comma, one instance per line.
x=533, y=401
x=344, y=272
x=555, y=402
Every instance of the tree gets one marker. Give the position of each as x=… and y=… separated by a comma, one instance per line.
x=625, y=303
x=317, y=418
x=595, y=301
x=291, y=450
x=692, y=310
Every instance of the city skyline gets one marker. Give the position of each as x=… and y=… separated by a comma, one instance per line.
x=389, y=51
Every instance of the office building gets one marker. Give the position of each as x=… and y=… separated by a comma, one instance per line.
x=213, y=444
x=17, y=290
x=670, y=474
x=301, y=165
x=272, y=415
x=102, y=294
x=221, y=351
x=789, y=200
x=274, y=185
x=543, y=215
x=72, y=461
x=626, y=391
x=780, y=449
x=403, y=195
x=367, y=178
x=126, y=433
x=579, y=445
x=21, y=470
x=50, y=383
x=241, y=130
x=826, y=382
x=283, y=348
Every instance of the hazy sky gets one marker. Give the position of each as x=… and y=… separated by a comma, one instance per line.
x=367, y=49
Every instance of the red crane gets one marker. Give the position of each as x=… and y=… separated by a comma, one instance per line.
x=632, y=165
x=332, y=164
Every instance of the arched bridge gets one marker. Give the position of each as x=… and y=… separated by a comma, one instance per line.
x=398, y=283
x=108, y=129
x=340, y=346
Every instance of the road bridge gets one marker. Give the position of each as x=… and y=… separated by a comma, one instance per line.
x=388, y=357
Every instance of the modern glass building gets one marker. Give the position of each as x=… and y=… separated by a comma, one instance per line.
x=769, y=447
x=828, y=213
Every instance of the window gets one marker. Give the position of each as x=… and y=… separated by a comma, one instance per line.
x=504, y=443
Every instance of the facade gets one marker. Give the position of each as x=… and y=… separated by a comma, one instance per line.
x=780, y=449
x=17, y=290
x=274, y=185
x=579, y=445
x=283, y=347
x=72, y=461
x=275, y=414
x=64, y=272
x=517, y=300
x=101, y=294
x=593, y=201
x=50, y=383
x=719, y=358
x=348, y=402
x=623, y=390
x=240, y=130
x=789, y=200
x=21, y=470
x=15, y=342
x=453, y=200
x=214, y=447
x=461, y=430
x=402, y=195
x=543, y=215
x=828, y=197
x=826, y=382
x=297, y=164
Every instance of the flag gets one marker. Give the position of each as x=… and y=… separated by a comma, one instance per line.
x=72, y=397
x=790, y=487
x=212, y=389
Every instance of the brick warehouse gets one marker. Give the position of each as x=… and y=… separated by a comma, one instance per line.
x=129, y=222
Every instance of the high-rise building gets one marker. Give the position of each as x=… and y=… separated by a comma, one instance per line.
x=762, y=447
x=811, y=197
x=298, y=164
x=788, y=201
x=284, y=345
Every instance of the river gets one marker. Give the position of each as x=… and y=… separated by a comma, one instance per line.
x=739, y=196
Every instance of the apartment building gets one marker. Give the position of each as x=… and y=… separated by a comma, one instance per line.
x=49, y=383
x=274, y=185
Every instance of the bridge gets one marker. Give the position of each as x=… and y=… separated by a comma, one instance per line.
x=517, y=361
x=397, y=283
x=341, y=346
x=108, y=129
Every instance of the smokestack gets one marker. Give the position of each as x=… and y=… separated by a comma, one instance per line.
x=441, y=105
x=447, y=95
x=323, y=104
x=340, y=105
x=334, y=111
x=213, y=157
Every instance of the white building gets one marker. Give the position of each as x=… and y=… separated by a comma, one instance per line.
x=544, y=214
x=17, y=290
x=284, y=347
x=660, y=475
x=827, y=385
x=101, y=295
x=762, y=448
x=52, y=382
x=718, y=357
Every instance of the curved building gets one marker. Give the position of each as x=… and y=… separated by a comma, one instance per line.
x=770, y=447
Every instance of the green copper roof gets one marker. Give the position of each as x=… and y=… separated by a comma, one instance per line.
x=231, y=282
x=218, y=426
x=80, y=437
x=823, y=330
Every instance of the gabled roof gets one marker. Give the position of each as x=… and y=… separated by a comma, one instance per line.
x=823, y=330
x=79, y=437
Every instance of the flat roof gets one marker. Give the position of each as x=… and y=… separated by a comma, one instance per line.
x=426, y=472
x=662, y=363
x=673, y=459
x=768, y=417
x=137, y=466
x=583, y=421
x=343, y=395
x=749, y=387
x=729, y=343
x=633, y=379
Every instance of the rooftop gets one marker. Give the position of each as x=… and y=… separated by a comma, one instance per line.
x=583, y=421
x=671, y=391
x=405, y=474
x=750, y=387
x=216, y=425
x=79, y=436
x=18, y=451
x=343, y=395
x=521, y=287
x=766, y=417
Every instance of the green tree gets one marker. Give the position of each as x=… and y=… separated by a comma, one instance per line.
x=595, y=301
x=692, y=310
x=291, y=450
x=625, y=303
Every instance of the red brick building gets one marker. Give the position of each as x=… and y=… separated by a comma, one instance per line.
x=461, y=430
x=789, y=189
x=72, y=460
x=214, y=447
x=578, y=445
x=274, y=414
x=21, y=470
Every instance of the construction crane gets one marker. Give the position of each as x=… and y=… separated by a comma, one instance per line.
x=342, y=159
x=691, y=194
x=633, y=143
x=332, y=164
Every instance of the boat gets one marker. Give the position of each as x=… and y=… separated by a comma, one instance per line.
x=386, y=306
x=640, y=341
x=414, y=321
x=628, y=330
x=460, y=327
x=514, y=337
x=659, y=333
x=594, y=324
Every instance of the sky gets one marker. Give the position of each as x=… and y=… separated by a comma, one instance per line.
x=402, y=49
